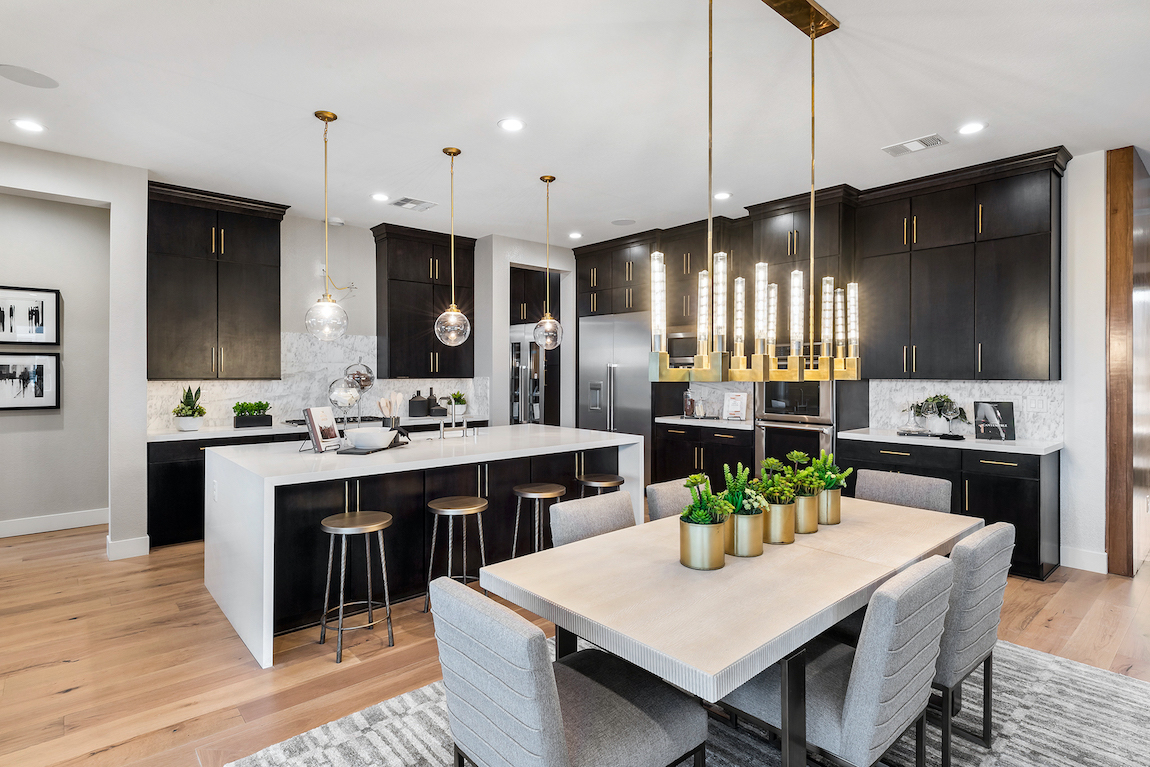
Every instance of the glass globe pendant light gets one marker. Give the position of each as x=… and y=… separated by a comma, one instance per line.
x=452, y=327
x=326, y=320
x=548, y=332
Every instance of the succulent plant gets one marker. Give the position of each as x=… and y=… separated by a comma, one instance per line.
x=189, y=406
x=705, y=508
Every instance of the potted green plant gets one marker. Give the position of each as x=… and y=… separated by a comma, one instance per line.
x=778, y=491
x=251, y=414
x=189, y=413
x=833, y=481
x=939, y=406
x=744, y=536
x=807, y=489
x=702, y=526
x=458, y=404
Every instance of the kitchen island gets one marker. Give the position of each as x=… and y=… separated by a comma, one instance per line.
x=265, y=558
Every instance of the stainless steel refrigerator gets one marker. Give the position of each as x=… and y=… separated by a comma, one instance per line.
x=614, y=393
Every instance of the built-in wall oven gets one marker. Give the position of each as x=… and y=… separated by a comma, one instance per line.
x=793, y=416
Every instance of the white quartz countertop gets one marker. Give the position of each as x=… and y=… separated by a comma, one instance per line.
x=706, y=423
x=226, y=432
x=283, y=464
x=1017, y=446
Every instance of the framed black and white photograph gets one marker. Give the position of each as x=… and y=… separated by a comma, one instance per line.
x=994, y=420
x=29, y=316
x=29, y=381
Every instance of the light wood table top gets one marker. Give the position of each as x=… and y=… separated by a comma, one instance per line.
x=710, y=631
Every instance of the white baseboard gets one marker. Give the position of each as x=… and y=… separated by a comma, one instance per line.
x=127, y=548
x=1081, y=559
x=50, y=522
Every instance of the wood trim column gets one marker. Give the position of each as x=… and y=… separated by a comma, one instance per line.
x=1120, y=360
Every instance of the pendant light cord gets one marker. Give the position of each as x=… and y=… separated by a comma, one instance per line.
x=811, y=235
x=326, y=277
x=710, y=149
x=452, y=230
x=547, y=290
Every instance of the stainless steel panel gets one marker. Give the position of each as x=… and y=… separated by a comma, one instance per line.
x=631, y=387
x=809, y=411
x=826, y=435
x=596, y=344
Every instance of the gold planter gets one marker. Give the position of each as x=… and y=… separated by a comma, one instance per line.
x=830, y=507
x=747, y=538
x=779, y=525
x=729, y=535
x=807, y=514
x=701, y=546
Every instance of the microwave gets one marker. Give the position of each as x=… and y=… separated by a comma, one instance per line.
x=797, y=401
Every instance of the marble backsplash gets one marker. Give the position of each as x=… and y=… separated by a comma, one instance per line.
x=308, y=366
x=1038, y=405
x=710, y=397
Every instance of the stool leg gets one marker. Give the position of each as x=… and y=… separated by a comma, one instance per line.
x=386, y=595
x=482, y=554
x=463, y=524
x=342, y=576
x=515, y=534
x=327, y=588
x=582, y=490
x=431, y=562
x=450, y=543
x=367, y=559
x=538, y=536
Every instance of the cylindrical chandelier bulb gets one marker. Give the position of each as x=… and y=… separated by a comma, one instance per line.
x=828, y=315
x=703, y=328
x=772, y=316
x=719, y=304
x=840, y=322
x=740, y=315
x=761, y=290
x=853, y=319
x=658, y=302
x=797, y=313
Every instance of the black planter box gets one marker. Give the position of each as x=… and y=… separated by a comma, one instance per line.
x=252, y=421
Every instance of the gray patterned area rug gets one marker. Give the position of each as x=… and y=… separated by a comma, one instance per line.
x=1048, y=711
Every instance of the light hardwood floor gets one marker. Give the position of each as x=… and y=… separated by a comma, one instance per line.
x=131, y=662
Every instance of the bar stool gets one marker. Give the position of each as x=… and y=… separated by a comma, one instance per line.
x=598, y=481
x=346, y=524
x=453, y=506
x=538, y=492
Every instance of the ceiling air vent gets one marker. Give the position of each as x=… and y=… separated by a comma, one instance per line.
x=410, y=203
x=914, y=145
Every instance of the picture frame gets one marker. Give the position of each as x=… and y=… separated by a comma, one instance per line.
x=735, y=406
x=30, y=381
x=322, y=429
x=29, y=316
x=994, y=420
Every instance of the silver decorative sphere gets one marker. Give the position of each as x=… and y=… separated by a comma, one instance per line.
x=326, y=320
x=344, y=392
x=361, y=374
x=548, y=332
x=452, y=327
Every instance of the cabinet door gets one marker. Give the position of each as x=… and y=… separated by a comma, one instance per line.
x=1010, y=207
x=625, y=300
x=410, y=329
x=774, y=238
x=827, y=230
x=595, y=303
x=943, y=218
x=884, y=315
x=499, y=479
x=552, y=376
x=181, y=317
x=175, y=502
x=953, y=477
x=181, y=230
x=715, y=456
x=534, y=293
x=301, y=553
x=593, y=271
x=631, y=266
x=778, y=442
x=685, y=255
x=249, y=320
x=882, y=228
x=674, y=459
x=518, y=313
x=410, y=260
x=442, y=483
x=402, y=496
x=248, y=239
x=1012, y=500
x=453, y=361
x=682, y=303
x=1012, y=308
x=464, y=264
x=942, y=313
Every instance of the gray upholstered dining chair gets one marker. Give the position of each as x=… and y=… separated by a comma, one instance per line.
x=903, y=489
x=586, y=517
x=509, y=704
x=667, y=499
x=981, y=562
x=860, y=700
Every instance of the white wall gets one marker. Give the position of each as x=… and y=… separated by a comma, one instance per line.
x=124, y=190
x=494, y=257
x=1083, y=470
x=352, y=260
x=56, y=461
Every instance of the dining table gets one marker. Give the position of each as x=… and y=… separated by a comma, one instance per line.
x=708, y=632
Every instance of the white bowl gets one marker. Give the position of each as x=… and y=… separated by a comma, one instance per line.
x=370, y=438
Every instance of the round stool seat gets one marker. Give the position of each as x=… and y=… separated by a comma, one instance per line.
x=540, y=490
x=599, y=480
x=356, y=523
x=457, y=505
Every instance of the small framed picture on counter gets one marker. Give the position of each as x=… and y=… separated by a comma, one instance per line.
x=29, y=381
x=322, y=429
x=994, y=420
x=735, y=406
x=29, y=316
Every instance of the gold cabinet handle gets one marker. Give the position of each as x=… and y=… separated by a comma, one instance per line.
x=914, y=359
x=998, y=463
x=904, y=359
x=696, y=464
x=904, y=230
x=796, y=242
x=213, y=359
x=914, y=229
x=966, y=495
x=980, y=218
x=675, y=431
x=431, y=361
x=894, y=452
x=221, y=240
x=684, y=263
x=980, y=357
x=437, y=268
x=221, y=348
x=431, y=268
x=724, y=436
x=789, y=242
x=213, y=240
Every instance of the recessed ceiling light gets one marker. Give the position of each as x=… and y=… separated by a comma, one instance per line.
x=969, y=128
x=722, y=195
x=28, y=125
x=623, y=221
x=379, y=197
x=511, y=124
x=575, y=235
x=26, y=76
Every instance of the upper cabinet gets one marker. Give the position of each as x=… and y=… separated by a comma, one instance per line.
x=883, y=228
x=943, y=218
x=413, y=287
x=1017, y=205
x=615, y=277
x=213, y=285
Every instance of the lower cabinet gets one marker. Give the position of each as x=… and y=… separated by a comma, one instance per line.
x=682, y=450
x=998, y=487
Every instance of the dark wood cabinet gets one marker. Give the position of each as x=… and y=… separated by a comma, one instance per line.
x=947, y=217
x=882, y=228
x=175, y=229
x=528, y=295
x=631, y=266
x=407, y=346
x=464, y=264
x=682, y=450
x=453, y=361
x=1015, y=319
x=775, y=238
x=1016, y=205
x=884, y=315
x=594, y=303
x=593, y=272
x=248, y=321
x=248, y=239
x=182, y=296
x=410, y=260
x=942, y=313
x=827, y=235
x=624, y=300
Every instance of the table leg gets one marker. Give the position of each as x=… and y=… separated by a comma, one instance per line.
x=566, y=642
x=794, y=709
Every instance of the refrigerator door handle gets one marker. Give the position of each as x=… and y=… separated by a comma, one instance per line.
x=611, y=396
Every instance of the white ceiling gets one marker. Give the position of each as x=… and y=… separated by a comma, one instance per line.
x=219, y=95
